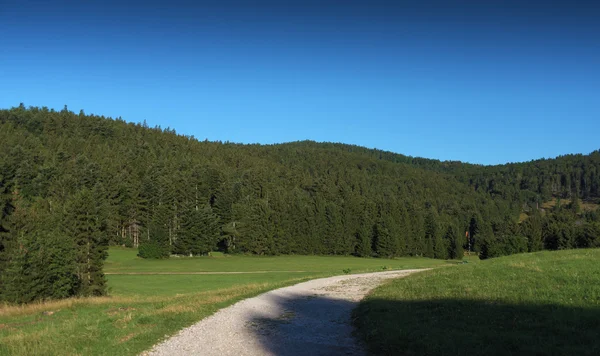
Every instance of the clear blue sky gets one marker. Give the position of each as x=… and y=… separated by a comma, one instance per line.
x=478, y=81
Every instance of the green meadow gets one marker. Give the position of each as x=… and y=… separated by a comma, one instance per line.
x=150, y=300
x=545, y=303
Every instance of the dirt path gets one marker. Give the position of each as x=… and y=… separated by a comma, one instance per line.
x=310, y=318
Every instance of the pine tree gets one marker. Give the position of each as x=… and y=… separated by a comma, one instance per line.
x=385, y=243
x=404, y=233
x=83, y=224
x=474, y=230
x=257, y=228
x=41, y=263
x=430, y=228
x=200, y=231
x=6, y=209
x=575, y=205
x=453, y=243
x=210, y=232
x=155, y=242
x=416, y=240
x=532, y=229
x=440, y=247
x=364, y=238
x=333, y=229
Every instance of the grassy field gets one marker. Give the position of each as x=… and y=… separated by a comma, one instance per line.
x=546, y=303
x=151, y=299
x=123, y=261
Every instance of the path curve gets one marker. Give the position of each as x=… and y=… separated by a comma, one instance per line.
x=309, y=318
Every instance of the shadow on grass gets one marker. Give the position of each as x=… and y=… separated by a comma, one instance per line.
x=306, y=325
x=466, y=327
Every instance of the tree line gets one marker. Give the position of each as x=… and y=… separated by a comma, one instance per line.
x=73, y=184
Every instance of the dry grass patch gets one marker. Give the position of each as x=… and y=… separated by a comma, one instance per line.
x=128, y=337
x=116, y=311
x=190, y=303
x=527, y=266
x=49, y=306
x=122, y=323
x=586, y=205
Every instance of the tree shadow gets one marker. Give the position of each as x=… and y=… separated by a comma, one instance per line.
x=457, y=327
x=306, y=325
x=318, y=325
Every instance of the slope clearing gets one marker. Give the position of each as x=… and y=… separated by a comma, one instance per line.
x=536, y=304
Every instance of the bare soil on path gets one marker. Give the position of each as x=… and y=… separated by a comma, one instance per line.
x=309, y=318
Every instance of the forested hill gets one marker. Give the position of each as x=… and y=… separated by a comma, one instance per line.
x=535, y=181
x=71, y=184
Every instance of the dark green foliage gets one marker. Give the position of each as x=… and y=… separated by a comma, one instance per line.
x=106, y=181
x=40, y=261
x=199, y=233
x=152, y=249
x=430, y=233
x=156, y=244
x=588, y=235
x=453, y=243
x=502, y=246
x=258, y=229
x=84, y=225
x=385, y=242
x=575, y=206
x=364, y=239
x=42, y=267
x=532, y=229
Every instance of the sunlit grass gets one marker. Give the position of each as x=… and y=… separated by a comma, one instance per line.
x=531, y=304
x=143, y=309
x=123, y=260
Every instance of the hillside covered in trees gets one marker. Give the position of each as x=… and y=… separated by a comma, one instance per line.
x=73, y=184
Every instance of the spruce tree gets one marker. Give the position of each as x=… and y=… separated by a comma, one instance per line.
x=155, y=242
x=575, y=204
x=430, y=229
x=440, y=247
x=363, y=241
x=210, y=230
x=83, y=224
x=385, y=244
x=532, y=229
x=453, y=243
x=41, y=263
x=258, y=231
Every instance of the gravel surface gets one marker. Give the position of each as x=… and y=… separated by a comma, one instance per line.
x=310, y=318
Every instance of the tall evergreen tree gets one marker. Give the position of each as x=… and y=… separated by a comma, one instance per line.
x=453, y=243
x=258, y=231
x=385, y=242
x=532, y=229
x=430, y=228
x=83, y=224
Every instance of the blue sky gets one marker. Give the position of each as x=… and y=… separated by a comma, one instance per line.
x=479, y=81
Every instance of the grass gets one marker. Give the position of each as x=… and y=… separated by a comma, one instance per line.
x=124, y=260
x=545, y=303
x=150, y=300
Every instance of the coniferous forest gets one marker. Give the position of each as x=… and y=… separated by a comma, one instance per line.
x=73, y=184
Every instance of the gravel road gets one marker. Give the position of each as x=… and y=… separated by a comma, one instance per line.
x=310, y=318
